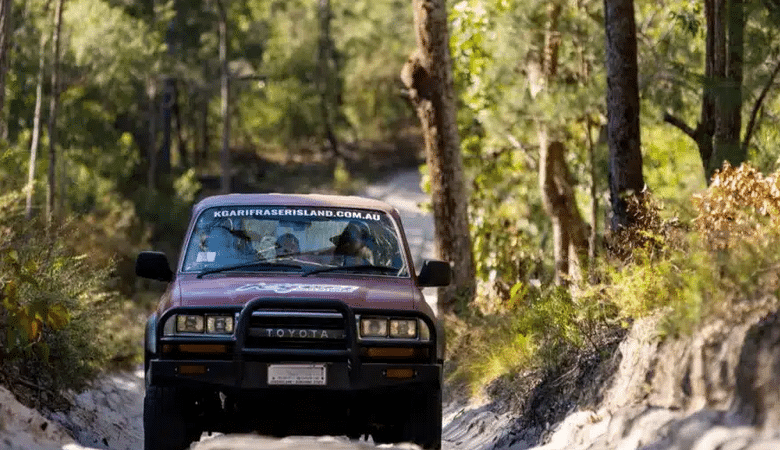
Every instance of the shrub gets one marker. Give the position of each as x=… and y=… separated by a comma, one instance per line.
x=536, y=331
x=54, y=303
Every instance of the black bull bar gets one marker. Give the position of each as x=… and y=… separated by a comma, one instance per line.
x=240, y=354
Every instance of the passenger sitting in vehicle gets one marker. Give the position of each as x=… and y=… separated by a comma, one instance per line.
x=353, y=245
x=287, y=245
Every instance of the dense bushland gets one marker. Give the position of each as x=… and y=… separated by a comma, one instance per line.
x=721, y=264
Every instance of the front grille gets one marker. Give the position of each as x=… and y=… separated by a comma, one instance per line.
x=311, y=330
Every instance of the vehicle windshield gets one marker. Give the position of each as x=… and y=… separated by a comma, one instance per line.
x=305, y=240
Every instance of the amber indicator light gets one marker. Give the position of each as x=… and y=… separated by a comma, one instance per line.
x=399, y=373
x=202, y=348
x=192, y=369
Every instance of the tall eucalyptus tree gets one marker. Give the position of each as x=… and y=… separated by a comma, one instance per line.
x=623, y=138
x=428, y=77
x=36, y=131
x=570, y=235
x=717, y=134
x=6, y=12
x=224, y=155
x=54, y=104
x=327, y=72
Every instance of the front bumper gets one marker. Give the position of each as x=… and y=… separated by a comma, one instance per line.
x=254, y=375
x=246, y=365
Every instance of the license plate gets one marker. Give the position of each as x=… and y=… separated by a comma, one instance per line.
x=297, y=374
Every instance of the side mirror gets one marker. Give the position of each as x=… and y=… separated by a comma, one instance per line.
x=153, y=265
x=435, y=273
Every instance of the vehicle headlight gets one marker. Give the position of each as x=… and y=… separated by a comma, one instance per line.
x=387, y=327
x=197, y=323
x=189, y=323
x=403, y=328
x=373, y=327
x=219, y=324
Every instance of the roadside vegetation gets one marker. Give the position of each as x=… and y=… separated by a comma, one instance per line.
x=721, y=264
x=63, y=315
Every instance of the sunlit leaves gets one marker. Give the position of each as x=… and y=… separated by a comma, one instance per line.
x=26, y=316
x=114, y=46
x=740, y=204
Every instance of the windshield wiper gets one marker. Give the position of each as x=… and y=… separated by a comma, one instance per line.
x=258, y=264
x=355, y=267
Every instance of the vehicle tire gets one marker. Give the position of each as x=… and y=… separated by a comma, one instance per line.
x=424, y=424
x=164, y=425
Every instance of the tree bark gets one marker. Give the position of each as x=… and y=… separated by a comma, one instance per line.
x=224, y=156
x=181, y=140
x=6, y=11
x=623, y=137
x=326, y=77
x=151, y=177
x=203, y=118
x=728, y=124
x=166, y=119
x=36, y=131
x=53, y=105
x=570, y=233
x=570, y=244
x=594, y=198
x=428, y=77
x=717, y=135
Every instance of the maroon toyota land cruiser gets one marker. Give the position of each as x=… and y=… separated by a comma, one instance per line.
x=293, y=314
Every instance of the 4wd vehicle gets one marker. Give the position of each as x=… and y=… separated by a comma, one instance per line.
x=293, y=314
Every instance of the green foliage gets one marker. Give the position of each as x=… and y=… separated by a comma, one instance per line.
x=678, y=286
x=535, y=331
x=723, y=266
x=374, y=39
x=55, y=303
x=673, y=169
x=116, y=48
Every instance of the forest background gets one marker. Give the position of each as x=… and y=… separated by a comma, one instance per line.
x=118, y=114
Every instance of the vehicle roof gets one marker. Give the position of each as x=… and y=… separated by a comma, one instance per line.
x=294, y=200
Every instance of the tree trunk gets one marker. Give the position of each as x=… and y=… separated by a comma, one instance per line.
x=717, y=134
x=203, y=117
x=151, y=177
x=326, y=77
x=728, y=123
x=623, y=138
x=181, y=140
x=570, y=233
x=36, y=131
x=428, y=76
x=224, y=156
x=166, y=106
x=714, y=70
x=594, y=197
x=6, y=11
x=53, y=105
x=570, y=244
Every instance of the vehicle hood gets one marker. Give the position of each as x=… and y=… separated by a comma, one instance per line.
x=357, y=292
